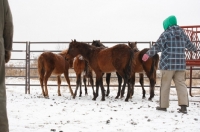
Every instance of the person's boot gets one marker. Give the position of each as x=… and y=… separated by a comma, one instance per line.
x=162, y=109
x=183, y=109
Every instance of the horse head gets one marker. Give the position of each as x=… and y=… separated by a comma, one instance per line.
x=133, y=45
x=97, y=43
x=71, y=52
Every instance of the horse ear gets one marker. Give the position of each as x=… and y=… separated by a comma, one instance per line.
x=129, y=44
x=74, y=40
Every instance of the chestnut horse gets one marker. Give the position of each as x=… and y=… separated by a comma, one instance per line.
x=81, y=65
x=117, y=58
x=53, y=64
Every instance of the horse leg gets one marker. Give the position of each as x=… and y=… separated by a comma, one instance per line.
x=41, y=82
x=58, y=82
x=46, y=77
x=68, y=82
x=119, y=85
x=132, y=85
x=102, y=90
x=80, y=87
x=98, y=80
x=128, y=91
x=123, y=88
x=92, y=83
x=108, y=83
x=142, y=84
x=152, y=86
x=84, y=81
x=78, y=77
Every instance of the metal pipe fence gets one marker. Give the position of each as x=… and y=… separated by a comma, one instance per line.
x=24, y=58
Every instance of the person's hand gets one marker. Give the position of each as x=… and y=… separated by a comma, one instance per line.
x=7, y=56
x=145, y=57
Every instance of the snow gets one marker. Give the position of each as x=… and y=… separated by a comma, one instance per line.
x=34, y=113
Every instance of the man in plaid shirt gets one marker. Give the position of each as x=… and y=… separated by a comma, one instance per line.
x=172, y=43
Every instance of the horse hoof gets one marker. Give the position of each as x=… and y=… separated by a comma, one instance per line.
x=150, y=99
x=73, y=97
x=126, y=100
x=102, y=99
x=143, y=97
x=46, y=97
x=94, y=99
x=116, y=97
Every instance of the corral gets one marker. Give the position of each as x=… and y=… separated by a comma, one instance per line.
x=23, y=63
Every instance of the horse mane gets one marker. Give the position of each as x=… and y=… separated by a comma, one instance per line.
x=88, y=49
x=63, y=52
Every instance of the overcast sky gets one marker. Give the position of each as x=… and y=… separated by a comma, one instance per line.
x=105, y=20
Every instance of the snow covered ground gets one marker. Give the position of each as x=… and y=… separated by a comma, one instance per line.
x=33, y=113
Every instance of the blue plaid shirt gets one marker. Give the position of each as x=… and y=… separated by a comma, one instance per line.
x=172, y=43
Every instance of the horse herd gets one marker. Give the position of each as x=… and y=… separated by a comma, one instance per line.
x=125, y=60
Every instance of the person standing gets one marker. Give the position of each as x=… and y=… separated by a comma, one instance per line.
x=172, y=44
x=6, y=40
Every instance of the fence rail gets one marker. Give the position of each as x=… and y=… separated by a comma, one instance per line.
x=26, y=54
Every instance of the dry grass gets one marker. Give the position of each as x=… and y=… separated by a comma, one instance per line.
x=12, y=71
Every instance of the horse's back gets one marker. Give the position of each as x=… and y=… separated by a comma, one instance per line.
x=152, y=61
x=52, y=62
x=121, y=55
x=114, y=58
x=138, y=65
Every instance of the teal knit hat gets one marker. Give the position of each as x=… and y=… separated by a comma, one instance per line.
x=170, y=21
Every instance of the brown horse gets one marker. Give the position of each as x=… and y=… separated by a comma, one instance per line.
x=117, y=58
x=149, y=67
x=97, y=43
x=53, y=64
x=81, y=65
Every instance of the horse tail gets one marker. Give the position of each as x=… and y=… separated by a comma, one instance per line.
x=154, y=65
x=86, y=69
x=129, y=67
x=41, y=68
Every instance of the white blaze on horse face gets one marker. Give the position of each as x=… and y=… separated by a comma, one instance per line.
x=81, y=57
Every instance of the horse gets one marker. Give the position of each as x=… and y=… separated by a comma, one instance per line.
x=117, y=58
x=81, y=65
x=97, y=43
x=149, y=68
x=53, y=64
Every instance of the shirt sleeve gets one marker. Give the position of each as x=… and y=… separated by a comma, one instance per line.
x=189, y=45
x=8, y=27
x=158, y=46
